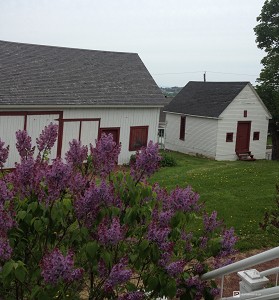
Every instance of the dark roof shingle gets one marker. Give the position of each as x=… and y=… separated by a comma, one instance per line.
x=46, y=75
x=207, y=99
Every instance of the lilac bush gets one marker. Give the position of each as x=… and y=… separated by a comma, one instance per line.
x=57, y=267
x=74, y=227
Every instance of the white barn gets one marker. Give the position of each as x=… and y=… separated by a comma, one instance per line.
x=220, y=120
x=85, y=92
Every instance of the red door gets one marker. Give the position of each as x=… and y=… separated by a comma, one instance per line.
x=113, y=131
x=243, y=137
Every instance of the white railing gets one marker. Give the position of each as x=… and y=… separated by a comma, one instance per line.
x=258, y=294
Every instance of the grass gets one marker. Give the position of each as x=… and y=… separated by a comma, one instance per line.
x=239, y=191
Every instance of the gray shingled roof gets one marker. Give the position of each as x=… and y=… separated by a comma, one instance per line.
x=47, y=75
x=208, y=99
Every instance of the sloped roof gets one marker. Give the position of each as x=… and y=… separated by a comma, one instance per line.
x=47, y=75
x=207, y=99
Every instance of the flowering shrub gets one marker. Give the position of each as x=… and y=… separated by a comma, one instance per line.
x=76, y=229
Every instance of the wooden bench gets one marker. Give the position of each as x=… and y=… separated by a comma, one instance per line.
x=247, y=156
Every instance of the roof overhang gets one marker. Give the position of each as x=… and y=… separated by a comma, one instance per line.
x=182, y=114
x=61, y=106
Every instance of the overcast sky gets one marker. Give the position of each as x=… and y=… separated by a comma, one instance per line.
x=176, y=39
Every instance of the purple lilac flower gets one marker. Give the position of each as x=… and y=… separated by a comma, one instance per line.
x=165, y=259
x=227, y=248
x=198, y=284
x=77, y=185
x=184, y=200
x=77, y=153
x=210, y=223
x=229, y=240
x=157, y=234
x=174, y=269
x=47, y=138
x=214, y=292
x=4, y=153
x=88, y=206
x=102, y=269
x=147, y=162
x=5, y=249
x=203, y=242
x=22, y=177
x=132, y=296
x=165, y=217
x=187, y=237
x=5, y=193
x=119, y=274
x=24, y=144
x=57, y=178
x=105, y=154
x=6, y=220
x=110, y=233
x=198, y=268
x=55, y=266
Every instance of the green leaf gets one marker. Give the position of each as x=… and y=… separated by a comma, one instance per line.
x=171, y=288
x=131, y=287
x=67, y=203
x=21, y=214
x=133, y=257
x=32, y=206
x=35, y=292
x=107, y=257
x=20, y=273
x=153, y=283
x=7, y=268
x=38, y=225
x=143, y=245
x=91, y=249
x=28, y=218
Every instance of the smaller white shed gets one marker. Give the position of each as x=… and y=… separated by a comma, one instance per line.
x=218, y=120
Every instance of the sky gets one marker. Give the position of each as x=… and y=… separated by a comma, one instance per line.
x=178, y=40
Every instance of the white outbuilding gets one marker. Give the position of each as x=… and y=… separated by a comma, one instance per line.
x=85, y=92
x=220, y=120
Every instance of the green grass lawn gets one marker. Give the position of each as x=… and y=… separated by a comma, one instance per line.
x=239, y=191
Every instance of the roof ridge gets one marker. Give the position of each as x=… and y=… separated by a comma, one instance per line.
x=65, y=47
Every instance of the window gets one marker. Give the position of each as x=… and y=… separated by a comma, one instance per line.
x=229, y=137
x=138, y=137
x=182, y=128
x=245, y=114
x=256, y=135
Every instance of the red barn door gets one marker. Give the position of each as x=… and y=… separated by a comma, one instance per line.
x=243, y=137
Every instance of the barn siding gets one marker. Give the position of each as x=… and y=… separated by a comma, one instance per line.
x=8, y=127
x=200, y=135
x=246, y=100
x=123, y=118
x=36, y=123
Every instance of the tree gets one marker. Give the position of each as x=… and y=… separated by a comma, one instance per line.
x=267, y=32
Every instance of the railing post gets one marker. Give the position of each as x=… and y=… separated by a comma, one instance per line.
x=251, y=281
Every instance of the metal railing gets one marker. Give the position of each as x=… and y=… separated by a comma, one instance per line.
x=268, y=293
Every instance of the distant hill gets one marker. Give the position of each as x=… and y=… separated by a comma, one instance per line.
x=170, y=91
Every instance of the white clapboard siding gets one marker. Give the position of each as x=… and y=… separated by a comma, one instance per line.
x=8, y=127
x=78, y=124
x=36, y=124
x=89, y=132
x=86, y=131
x=70, y=132
x=256, y=113
x=200, y=135
x=122, y=118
